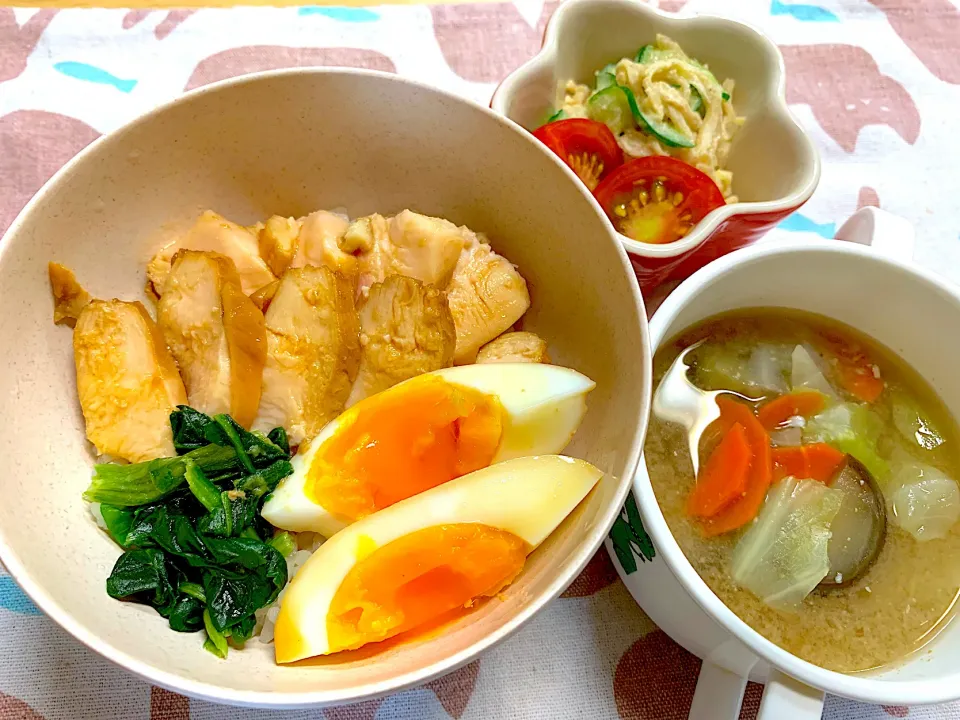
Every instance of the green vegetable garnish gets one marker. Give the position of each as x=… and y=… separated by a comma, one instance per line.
x=204, y=490
x=284, y=543
x=195, y=552
x=216, y=642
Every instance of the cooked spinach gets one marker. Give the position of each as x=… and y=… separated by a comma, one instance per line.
x=188, y=425
x=278, y=436
x=228, y=453
x=196, y=548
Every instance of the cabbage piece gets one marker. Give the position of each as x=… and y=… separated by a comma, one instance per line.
x=912, y=423
x=790, y=436
x=784, y=555
x=922, y=500
x=805, y=373
x=853, y=429
x=767, y=367
x=752, y=369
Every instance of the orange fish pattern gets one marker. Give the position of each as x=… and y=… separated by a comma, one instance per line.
x=873, y=95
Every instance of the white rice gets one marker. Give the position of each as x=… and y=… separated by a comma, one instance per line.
x=308, y=543
x=94, y=509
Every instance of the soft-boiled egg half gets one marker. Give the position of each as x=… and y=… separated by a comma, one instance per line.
x=424, y=432
x=427, y=555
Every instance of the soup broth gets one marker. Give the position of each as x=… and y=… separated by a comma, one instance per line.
x=905, y=597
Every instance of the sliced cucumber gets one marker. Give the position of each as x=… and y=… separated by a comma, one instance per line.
x=613, y=107
x=605, y=80
x=644, y=54
x=664, y=131
x=649, y=54
x=696, y=102
x=558, y=115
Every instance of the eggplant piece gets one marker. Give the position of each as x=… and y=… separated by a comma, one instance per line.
x=859, y=528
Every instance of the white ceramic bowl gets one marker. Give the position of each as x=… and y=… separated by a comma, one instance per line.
x=878, y=291
x=290, y=142
x=775, y=165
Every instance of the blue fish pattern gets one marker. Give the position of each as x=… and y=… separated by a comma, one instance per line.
x=805, y=13
x=90, y=73
x=13, y=599
x=801, y=223
x=343, y=14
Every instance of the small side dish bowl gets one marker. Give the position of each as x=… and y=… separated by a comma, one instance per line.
x=272, y=143
x=775, y=165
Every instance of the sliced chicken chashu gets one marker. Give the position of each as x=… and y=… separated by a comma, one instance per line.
x=514, y=347
x=277, y=241
x=410, y=244
x=127, y=381
x=216, y=234
x=216, y=334
x=406, y=329
x=321, y=237
x=313, y=352
x=69, y=299
x=264, y=296
x=312, y=240
x=487, y=296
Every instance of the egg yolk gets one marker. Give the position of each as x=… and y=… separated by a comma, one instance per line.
x=401, y=443
x=419, y=577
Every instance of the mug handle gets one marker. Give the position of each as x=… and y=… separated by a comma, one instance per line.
x=888, y=234
x=719, y=695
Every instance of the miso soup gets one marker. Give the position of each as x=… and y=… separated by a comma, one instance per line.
x=824, y=513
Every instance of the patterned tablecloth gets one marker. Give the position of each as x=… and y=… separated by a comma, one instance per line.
x=876, y=82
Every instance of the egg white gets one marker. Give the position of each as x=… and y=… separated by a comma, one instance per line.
x=543, y=406
x=527, y=496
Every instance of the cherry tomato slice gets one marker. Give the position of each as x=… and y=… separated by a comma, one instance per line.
x=657, y=199
x=587, y=146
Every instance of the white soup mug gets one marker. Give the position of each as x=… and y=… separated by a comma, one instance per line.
x=878, y=291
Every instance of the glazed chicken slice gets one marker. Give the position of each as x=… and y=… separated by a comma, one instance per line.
x=320, y=244
x=410, y=244
x=313, y=352
x=277, y=241
x=216, y=334
x=514, y=347
x=69, y=299
x=127, y=381
x=311, y=240
x=487, y=296
x=406, y=329
x=216, y=234
x=264, y=296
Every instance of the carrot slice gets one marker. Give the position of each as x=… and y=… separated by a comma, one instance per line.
x=723, y=478
x=742, y=511
x=859, y=380
x=817, y=461
x=855, y=371
x=805, y=403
